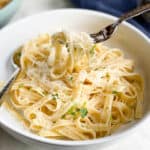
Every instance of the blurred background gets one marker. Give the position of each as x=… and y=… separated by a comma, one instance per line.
x=12, y=10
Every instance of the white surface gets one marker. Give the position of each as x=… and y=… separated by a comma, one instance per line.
x=138, y=140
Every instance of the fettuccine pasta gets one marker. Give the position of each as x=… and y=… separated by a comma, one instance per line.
x=70, y=88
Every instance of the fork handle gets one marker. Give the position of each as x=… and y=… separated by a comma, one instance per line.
x=134, y=13
x=7, y=85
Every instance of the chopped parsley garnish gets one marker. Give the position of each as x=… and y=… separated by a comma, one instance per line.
x=75, y=111
x=72, y=110
x=92, y=50
x=70, y=78
x=17, y=57
x=78, y=110
x=67, y=45
x=111, y=118
x=115, y=92
x=96, y=69
x=19, y=54
x=55, y=96
x=20, y=85
x=63, y=116
x=107, y=75
x=68, y=49
x=83, y=112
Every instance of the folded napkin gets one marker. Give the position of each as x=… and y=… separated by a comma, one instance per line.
x=116, y=8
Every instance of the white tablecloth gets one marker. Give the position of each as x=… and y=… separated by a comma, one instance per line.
x=139, y=140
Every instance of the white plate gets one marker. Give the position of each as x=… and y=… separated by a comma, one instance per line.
x=135, y=44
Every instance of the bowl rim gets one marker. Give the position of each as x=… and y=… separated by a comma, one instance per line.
x=67, y=142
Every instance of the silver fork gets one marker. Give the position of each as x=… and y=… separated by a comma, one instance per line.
x=108, y=31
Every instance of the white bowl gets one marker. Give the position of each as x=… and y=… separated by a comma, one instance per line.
x=133, y=42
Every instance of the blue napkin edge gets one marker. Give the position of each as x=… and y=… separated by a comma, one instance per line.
x=113, y=12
